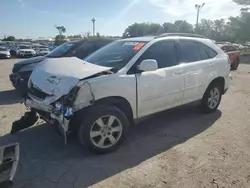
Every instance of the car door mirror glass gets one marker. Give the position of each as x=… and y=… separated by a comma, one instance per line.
x=148, y=65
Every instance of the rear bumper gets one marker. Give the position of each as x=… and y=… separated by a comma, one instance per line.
x=227, y=82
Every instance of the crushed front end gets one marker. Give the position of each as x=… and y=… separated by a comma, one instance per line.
x=57, y=89
x=59, y=111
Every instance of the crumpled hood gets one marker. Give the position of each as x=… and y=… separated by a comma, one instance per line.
x=58, y=76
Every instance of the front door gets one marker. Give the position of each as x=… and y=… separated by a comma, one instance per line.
x=161, y=89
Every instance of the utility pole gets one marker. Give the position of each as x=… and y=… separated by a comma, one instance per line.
x=198, y=8
x=93, y=20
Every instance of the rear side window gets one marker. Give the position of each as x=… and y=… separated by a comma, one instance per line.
x=190, y=51
x=206, y=52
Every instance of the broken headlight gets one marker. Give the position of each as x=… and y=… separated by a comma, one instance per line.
x=71, y=97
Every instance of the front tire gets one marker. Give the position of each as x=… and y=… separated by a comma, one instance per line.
x=103, y=129
x=212, y=98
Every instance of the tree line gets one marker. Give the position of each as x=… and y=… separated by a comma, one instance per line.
x=235, y=29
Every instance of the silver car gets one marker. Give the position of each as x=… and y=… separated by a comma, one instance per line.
x=4, y=52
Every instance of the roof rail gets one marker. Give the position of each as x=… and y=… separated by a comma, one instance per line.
x=179, y=34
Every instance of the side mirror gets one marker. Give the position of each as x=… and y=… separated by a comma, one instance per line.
x=148, y=65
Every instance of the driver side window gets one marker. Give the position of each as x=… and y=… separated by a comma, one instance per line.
x=164, y=52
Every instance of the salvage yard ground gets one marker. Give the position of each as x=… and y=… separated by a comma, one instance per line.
x=180, y=148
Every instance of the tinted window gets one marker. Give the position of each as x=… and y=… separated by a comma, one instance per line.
x=84, y=50
x=230, y=49
x=164, y=52
x=88, y=48
x=190, y=51
x=206, y=52
x=61, y=50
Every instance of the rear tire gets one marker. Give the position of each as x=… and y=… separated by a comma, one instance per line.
x=212, y=98
x=235, y=64
x=103, y=128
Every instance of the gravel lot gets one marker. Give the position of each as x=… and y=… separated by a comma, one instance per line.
x=178, y=148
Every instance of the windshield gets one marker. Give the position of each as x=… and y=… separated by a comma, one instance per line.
x=24, y=47
x=61, y=50
x=3, y=48
x=116, y=55
x=44, y=49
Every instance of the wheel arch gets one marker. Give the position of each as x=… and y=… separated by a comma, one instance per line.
x=119, y=102
x=219, y=81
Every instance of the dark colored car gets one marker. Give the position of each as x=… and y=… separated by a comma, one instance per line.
x=13, y=50
x=81, y=49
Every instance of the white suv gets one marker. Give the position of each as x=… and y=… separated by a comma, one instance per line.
x=128, y=79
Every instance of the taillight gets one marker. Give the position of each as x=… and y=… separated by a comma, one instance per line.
x=229, y=61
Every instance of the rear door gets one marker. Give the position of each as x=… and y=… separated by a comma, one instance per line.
x=197, y=61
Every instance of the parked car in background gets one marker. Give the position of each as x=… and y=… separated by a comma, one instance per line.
x=4, y=52
x=13, y=50
x=52, y=47
x=233, y=53
x=103, y=95
x=25, y=51
x=43, y=51
x=23, y=69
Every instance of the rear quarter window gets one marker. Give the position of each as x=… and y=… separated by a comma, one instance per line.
x=206, y=51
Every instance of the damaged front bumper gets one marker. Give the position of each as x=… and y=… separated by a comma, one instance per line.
x=54, y=114
x=60, y=110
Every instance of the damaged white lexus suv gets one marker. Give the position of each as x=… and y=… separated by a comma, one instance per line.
x=102, y=96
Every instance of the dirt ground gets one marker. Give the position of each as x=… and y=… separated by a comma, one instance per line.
x=180, y=148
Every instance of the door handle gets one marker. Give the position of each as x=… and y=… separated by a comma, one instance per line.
x=179, y=72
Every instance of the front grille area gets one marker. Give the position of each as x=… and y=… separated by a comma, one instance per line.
x=36, y=92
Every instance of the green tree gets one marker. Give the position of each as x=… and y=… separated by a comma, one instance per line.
x=240, y=27
x=60, y=39
x=169, y=28
x=9, y=38
x=60, y=29
x=147, y=29
x=74, y=36
x=242, y=2
x=98, y=35
x=142, y=29
x=183, y=26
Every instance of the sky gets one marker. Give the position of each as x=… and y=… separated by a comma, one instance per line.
x=37, y=18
